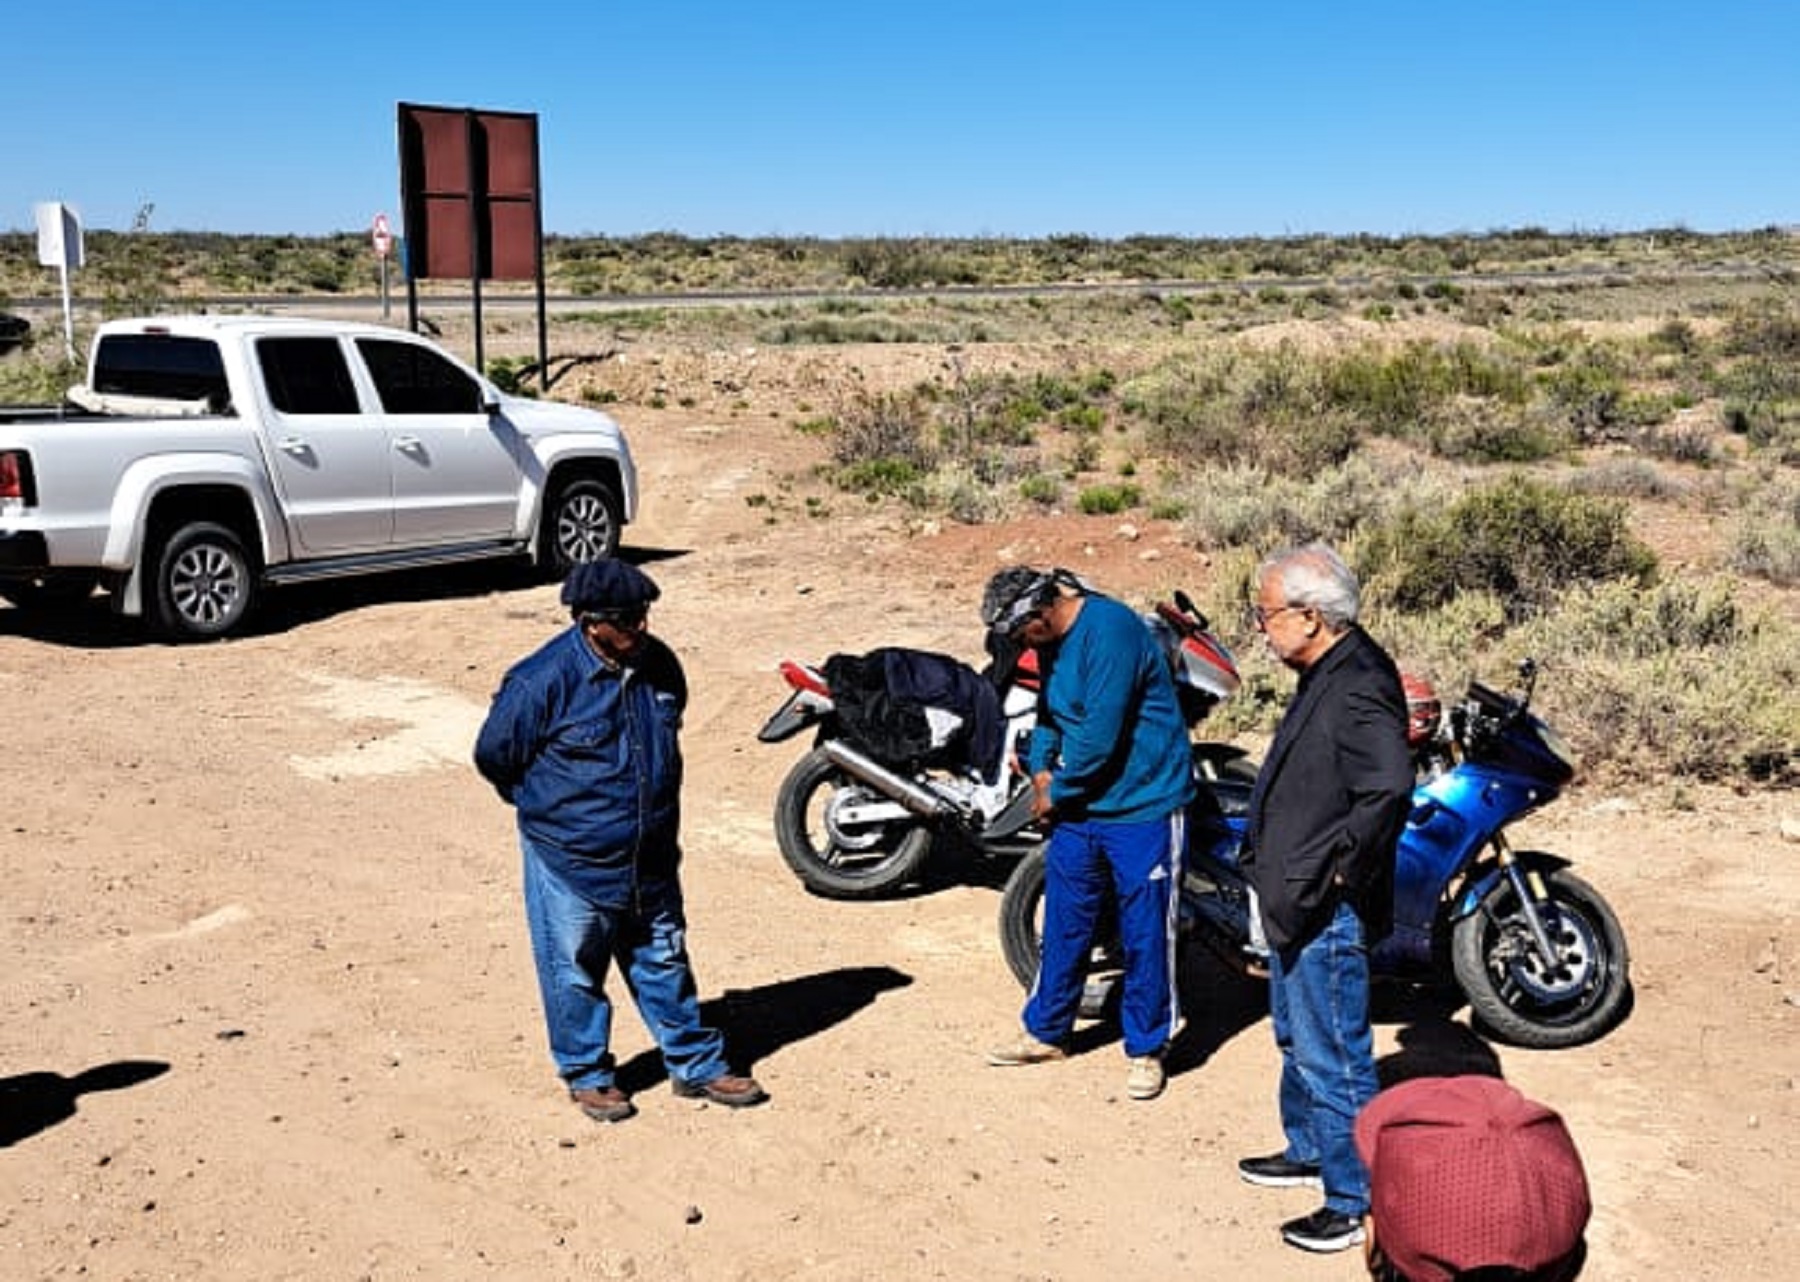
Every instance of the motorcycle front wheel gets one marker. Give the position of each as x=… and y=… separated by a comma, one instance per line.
x=1022, y=933
x=1527, y=999
x=835, y=854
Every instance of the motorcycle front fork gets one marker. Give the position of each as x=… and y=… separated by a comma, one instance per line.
x=1529, y=886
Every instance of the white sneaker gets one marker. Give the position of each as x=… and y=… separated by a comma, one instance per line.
x=1025, y=1050
x=1146, y=1078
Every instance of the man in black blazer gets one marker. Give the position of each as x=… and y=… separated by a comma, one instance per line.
x=1328, y=808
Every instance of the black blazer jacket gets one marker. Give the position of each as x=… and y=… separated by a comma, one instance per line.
x=1332, y=798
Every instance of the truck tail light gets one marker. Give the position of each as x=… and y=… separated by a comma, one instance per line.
x=15, y=476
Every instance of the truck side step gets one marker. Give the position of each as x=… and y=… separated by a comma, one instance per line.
x=339, y=567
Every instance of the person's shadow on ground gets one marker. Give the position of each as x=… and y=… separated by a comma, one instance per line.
x=32, y=1102
x=757, y=1022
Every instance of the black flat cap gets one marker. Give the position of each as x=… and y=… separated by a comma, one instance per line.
x=607, y=585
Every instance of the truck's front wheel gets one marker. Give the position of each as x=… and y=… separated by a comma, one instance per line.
x=205, y=583
x=581, y=524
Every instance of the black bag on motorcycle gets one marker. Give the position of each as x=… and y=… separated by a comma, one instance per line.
x=882, y=699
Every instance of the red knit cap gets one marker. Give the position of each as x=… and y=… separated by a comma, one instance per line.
x=1465, y=1172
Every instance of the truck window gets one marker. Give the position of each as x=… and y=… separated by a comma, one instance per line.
x=416, y=380
x=164, y=366
x=306, y=375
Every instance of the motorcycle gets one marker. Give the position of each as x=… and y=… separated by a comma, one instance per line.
x=1536, y=951
x=888, y=777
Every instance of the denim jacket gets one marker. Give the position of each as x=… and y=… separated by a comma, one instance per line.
x=589, y=757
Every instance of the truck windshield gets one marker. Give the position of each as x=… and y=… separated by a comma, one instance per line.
x=165, y=366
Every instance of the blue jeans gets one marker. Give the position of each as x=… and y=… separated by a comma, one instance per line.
x=1140, y=864
x=575, y=941
x=1319, y=1001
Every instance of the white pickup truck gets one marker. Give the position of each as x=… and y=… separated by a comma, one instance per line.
x=209, y=457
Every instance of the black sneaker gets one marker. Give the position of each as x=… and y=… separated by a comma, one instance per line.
x=1276, y=1172
x=1324, y=1230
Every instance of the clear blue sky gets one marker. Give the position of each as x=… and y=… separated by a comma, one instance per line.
x=971, y=118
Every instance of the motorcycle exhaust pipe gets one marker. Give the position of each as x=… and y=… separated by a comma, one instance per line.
x=921, y=801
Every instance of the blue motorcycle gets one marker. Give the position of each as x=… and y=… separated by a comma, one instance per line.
x=1535, y=950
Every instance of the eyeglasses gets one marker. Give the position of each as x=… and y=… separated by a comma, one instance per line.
x=625, y=617
x=1259, y=615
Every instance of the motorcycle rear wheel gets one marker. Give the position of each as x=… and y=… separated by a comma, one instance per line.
x=1021, y=938
x=1519, y=997
x=832, y=859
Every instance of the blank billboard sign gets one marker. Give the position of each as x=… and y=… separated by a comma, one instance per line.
x=469, y=190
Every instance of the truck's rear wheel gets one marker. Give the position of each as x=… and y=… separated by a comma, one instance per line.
x=581, y=524
x=205, y=583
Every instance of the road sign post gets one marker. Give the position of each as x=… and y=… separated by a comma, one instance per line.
x=383, y=238
x=59, y=246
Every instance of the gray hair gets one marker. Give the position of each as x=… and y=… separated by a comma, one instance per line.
x=1315, y=576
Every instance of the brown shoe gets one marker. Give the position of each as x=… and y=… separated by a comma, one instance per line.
x=732, y=1092
x=604, y=1103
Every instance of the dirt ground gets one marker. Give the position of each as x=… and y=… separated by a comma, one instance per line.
x=269, y=1010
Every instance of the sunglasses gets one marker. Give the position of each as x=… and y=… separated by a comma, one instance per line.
x=625, y=617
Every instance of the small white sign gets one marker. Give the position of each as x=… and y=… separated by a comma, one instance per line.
x=381, y=235
x=59, y=235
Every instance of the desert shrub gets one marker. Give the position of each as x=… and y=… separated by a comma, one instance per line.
x=1625, y=478
x=1522, y=540
x=1591, y=389
x=1765, y=538
x=1041, y=488
x=1770, y=331
x=1109, y=500
x=40, y=375
x=880, y=477
x=1261, y=408
x=1675, y=679
x=1396, y=391
x=1482, y=431
x=1677, y=337
x=1762, y=403
x=508, y=374
x=1240, y=506
x=1244, y=506
x=878, y=443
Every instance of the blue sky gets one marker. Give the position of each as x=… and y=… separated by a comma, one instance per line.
x=927, y=118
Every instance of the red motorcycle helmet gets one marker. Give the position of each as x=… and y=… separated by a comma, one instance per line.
x=1424, y=712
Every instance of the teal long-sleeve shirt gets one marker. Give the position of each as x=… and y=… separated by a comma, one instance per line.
x=1109, y=724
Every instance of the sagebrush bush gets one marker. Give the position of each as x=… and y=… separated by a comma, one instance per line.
x=1518, y=538
x=1765, y=537
x=1673, y=680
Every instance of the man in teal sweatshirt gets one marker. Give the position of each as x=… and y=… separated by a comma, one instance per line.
x=1112, y=773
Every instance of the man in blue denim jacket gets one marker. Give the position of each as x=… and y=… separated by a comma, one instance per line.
x=582, y=741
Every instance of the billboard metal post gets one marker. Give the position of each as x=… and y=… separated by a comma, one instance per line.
x=471, y=203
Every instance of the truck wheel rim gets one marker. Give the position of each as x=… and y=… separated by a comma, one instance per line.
x=583, y=529
x=206, y=584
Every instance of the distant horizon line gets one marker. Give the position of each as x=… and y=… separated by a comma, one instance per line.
x=1522, y=229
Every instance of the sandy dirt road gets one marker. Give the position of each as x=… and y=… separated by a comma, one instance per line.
x=268, y=1010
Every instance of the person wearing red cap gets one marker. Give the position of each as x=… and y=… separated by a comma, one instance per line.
x=1469, y=1179
x=582, y=741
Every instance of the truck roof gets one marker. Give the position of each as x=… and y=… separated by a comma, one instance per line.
x=202, y=325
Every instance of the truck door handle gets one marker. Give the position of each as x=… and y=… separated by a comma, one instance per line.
x=294, y=445
x=409, y=444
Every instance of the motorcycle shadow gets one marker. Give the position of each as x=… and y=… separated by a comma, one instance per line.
x=759, y=1021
